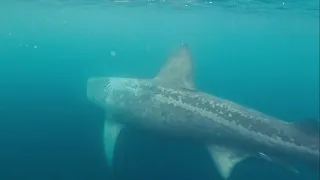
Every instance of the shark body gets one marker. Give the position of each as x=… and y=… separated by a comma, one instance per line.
x=170, y=104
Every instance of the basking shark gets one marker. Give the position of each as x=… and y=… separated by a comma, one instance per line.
x=170, y=104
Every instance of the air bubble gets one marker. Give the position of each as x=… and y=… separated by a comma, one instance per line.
x=113, y=53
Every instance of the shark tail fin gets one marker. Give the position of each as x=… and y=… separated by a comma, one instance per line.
x=110, y=135
x=226, y=159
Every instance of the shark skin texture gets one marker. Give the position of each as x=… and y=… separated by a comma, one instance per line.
x=170, y=104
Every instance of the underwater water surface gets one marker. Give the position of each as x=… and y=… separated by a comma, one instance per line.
x=260, y=53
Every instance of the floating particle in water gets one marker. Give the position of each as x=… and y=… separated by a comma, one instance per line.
x=35, y=47
x=113, y=53
x=9, y=34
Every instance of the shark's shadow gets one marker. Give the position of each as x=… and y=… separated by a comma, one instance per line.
x=144, y=155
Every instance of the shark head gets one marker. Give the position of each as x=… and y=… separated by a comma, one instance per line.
x=113, y=92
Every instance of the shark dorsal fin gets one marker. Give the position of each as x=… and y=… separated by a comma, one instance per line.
x=178, y=70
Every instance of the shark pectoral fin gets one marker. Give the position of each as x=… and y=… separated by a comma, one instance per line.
x=225, y=159
x=179, y=69
x=110, y=135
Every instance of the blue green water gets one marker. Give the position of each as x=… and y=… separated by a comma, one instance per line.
x=262, y=54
